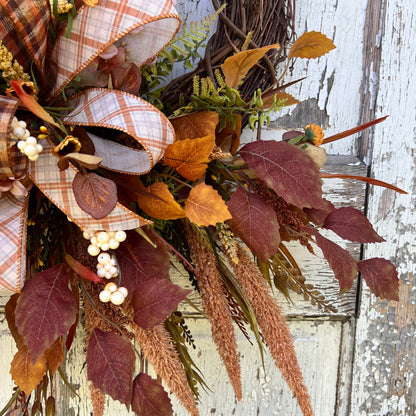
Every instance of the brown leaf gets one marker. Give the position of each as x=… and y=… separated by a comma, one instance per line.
x=190, y=157
x=381, y=277
x=255, y=222
x=154, y=300
x=354, y=130
x=310, y=45
x=88, y=161
x=287, y=170
x=46, y=309
x=9, y=310
x=159, y=203
x=235, y=67
x=205, y=206
x=55, y=355
x=229, y=138
x=127, y=79
x=290, y=100
x=94, y=194
x=371, y=181
x=194, y=125
x=110, y=365
x=149, y=397
x=351, y=224
x=25, y=374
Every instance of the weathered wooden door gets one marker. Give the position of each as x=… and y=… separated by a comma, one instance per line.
x=361, y=360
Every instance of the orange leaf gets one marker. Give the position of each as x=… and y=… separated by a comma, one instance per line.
x=235, y=67
x=290, y=100
x=311, y=45
x=194, y=125
x=25, y=374
x=55, y=355
x=31, y=104
x=190, y=157
x=205, y=206
x=160, y=203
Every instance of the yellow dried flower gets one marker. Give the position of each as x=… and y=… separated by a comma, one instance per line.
x=71, y=143
x=11, y=69
x=91, y=3
x=317, y=131
x=63, y=6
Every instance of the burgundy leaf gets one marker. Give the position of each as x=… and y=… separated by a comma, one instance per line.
x=286, y=169
x=318, y=216
x=149, y=397
x=351, y=224
x=46, y=309
x=255, y=222
x=381, y=277
x=110, y=365
x=94, y=194
x=154, y=300
x=339, y=259
x=140, y=261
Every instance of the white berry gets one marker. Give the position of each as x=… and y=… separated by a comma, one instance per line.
x=105, y=296
x=87, y=234
x=18, y=132
x=117, y=298
x=113, y=243
x=114, y=271
x=123, y=290
x=105, y=246
x=31, y=140
x=93, y=250
x=111, y=287
x=102, y=237
x=101, y=273
x=120, y=236
x=104, y=258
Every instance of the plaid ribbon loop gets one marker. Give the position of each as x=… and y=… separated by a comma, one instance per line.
x=24, y=26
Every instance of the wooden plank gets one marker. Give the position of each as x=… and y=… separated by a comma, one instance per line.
x=264, y=391
x=384, y=365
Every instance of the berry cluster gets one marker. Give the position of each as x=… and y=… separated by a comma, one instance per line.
x=101, y=242
x=26, y=143
x=113, y=294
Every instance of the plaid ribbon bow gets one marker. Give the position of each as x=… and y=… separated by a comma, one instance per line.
x=24, y=28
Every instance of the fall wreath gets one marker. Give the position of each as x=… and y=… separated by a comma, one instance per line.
x=108, y=176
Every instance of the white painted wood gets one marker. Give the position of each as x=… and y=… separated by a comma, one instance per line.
x=384, y=370
x=264, y=391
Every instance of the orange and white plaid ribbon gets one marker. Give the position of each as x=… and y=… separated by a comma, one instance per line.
x=23, y=25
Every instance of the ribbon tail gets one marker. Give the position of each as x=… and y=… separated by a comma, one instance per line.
x=13, y=222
